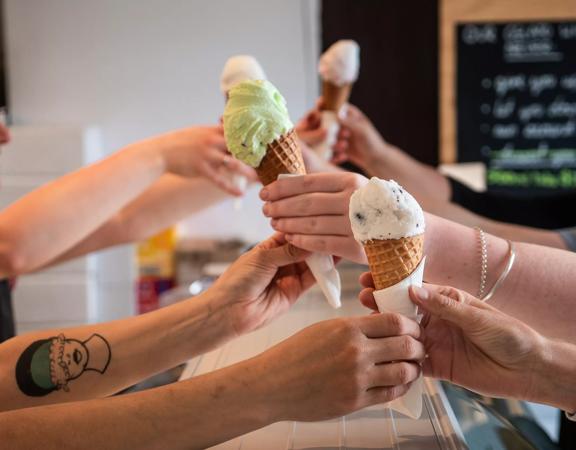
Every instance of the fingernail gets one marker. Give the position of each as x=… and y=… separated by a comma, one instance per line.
x=274, y=222
x=264, y=194
x=289, y=237
x=421, y=293
x=266, y=209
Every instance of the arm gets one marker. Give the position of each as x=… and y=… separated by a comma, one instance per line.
x=504, y=230
x=313, y=212
x=167, y=201
x=98, y=360
x=50, y=220
x=362, y=144
x=327, y=370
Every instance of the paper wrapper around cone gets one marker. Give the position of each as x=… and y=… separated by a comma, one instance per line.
x=282, y=156
x=333, y=96
x=395, y=265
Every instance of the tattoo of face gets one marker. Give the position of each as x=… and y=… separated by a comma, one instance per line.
x=50, y=364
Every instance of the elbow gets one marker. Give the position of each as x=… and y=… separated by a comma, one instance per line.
x=12, y=261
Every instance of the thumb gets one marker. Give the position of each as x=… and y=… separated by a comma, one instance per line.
x=279, y=255
x=450, y=304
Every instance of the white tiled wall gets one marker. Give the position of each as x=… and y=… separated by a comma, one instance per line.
x=65, y=294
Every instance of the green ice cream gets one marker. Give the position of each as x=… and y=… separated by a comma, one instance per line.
x=255, y=115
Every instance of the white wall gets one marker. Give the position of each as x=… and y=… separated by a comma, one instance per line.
x=139, y=67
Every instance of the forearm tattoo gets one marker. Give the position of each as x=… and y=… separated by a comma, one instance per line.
x=50, y=364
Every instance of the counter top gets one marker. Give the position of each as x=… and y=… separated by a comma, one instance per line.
x=370, y=428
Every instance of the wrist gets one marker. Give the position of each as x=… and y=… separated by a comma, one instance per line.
x=151, y=152
x=376, y=157
x=554, y=375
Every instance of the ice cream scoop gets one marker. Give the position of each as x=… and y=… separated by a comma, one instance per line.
x=240, y=68
x=384, y=210
x=254, y=117
x=340, y=64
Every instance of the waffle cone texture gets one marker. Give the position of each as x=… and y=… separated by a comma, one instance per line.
x=282, y=156
x=392, y=260
x=333, y=97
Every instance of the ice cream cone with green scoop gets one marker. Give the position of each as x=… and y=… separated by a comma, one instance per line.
x=259, y=132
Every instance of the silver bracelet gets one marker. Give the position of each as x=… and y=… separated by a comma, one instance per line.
x=511, y=258
x=483, y=248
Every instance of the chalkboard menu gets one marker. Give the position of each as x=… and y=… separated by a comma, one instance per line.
x=516, y=103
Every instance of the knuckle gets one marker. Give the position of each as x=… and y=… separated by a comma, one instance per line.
x=395, y=323
x=404, y=373
x=408, y=347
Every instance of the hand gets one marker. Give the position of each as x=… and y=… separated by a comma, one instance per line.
x=312, y=211
x=338, y=366
x=309, y=128
x=263, y=283
x=202, y=151
x=358, y=140
x=472, y=344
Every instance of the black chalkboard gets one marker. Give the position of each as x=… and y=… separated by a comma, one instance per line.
x=516, y=103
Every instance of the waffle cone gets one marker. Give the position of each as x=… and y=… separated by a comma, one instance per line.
x=282, y=156
x=333, y=97
x=392, y=260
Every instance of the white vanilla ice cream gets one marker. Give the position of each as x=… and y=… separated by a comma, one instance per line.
x=240, y=68
x=339, y=64
x=384, y=210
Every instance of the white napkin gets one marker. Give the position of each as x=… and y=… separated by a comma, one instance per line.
x=331, y=125
x=395, y=299
x=322, y=267
x=241, y=183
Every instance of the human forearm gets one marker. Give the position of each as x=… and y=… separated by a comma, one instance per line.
x=419, y=179
x=98, y=360
x=58, y=215
x=169, y=200
x=193, y=414
x=542, y=301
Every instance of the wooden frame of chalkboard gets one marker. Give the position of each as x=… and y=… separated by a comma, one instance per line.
x=516, y=102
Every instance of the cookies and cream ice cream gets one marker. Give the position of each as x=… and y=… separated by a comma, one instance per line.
x=384, y=210
x=254, y=117
x=240, y=68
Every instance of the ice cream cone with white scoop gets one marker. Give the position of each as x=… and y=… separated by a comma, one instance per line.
x=259, y=132
x=389, y=223
x=338, y=68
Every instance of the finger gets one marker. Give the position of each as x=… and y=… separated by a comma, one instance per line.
x=240, y=168
x=315, y=182
x=313, y=137
x=276, y=240
x=221, y=179
x=366, y=297
x=388, y=324
x=280, y=256
x=396, y=348
x=314, y=204
x=394, y=374
x=366, y=280
x=450, y=304
x=345, y=247
x=334, y=225
x=378, y=395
